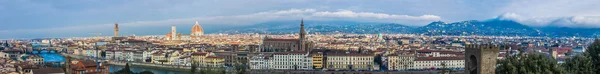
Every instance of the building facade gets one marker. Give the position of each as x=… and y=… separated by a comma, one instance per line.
x=350, y=61
x=291, y=61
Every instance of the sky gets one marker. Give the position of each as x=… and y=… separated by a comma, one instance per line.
x=81, y=18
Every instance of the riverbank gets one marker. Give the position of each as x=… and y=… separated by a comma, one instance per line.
x=140, y=65
x=157, y=68
x=181, y=69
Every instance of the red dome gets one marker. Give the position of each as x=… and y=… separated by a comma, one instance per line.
x=197, y=29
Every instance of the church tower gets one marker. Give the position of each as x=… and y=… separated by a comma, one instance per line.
x=116, y=30
x=302, y=37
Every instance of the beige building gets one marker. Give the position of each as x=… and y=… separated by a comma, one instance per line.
x=317, y=59
x=400, y=61
x=350, y=61
x=36, y=59
x=162, y=57
x=213, y=61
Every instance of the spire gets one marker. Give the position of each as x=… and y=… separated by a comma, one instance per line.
x=196, y=22
x=302, y=34
x=302, y=22
x=6, y=43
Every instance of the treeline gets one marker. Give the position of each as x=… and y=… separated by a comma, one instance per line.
x=536, y=63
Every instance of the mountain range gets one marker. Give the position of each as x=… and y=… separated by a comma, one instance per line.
x=492, y=27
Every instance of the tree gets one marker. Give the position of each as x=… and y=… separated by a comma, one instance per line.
x=444, y=68
x=103, y=54
x=579, y=64
x=125, y=70
x=194, y=67
x=146, y=72
x=593, y=52
x=241, y=69
x=533, y=63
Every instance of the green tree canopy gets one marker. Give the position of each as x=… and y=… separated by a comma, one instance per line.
x=533, y=63
x=146, y=72
x=579, y=64
x=593, y=52
x=125, y=70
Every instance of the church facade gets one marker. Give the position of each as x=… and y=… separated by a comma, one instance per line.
x=287, y=45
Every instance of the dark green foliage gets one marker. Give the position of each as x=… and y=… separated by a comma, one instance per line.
x=579, y=65
x=444, y=68
x=533, y=63
x=593, y=52
x=211, y=70
x=241, y=69
x=125, y=70
x=103, y=54
x=194, y=67
x=146, y=72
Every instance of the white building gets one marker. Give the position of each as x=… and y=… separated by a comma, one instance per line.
x=436, y=62
x=183, y=61
x=109, y=54
x=291, y=61
x=259, y=61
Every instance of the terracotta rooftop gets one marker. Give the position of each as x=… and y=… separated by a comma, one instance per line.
x=48, y=71
x=438, y=58
x=281, y=40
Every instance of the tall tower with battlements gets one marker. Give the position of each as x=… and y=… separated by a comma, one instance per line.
x=116, y=30
x=481, y=59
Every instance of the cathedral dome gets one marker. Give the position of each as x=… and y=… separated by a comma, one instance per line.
x=197, y=30
x=168, y=35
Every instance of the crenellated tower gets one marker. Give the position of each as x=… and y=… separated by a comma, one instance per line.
x=116, y=30
x=481, y=59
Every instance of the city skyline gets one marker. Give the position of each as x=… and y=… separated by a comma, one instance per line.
x=58, y=19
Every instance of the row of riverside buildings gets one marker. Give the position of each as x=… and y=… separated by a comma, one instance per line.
x=329, y=60
x=336, y=60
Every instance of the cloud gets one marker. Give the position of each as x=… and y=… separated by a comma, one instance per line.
x=234, y=20
x=553, y=8
x=382, y=17
x=569, y=21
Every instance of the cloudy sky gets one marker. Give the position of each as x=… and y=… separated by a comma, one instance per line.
x=68, y=18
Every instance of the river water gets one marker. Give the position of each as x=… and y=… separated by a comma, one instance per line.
x=56, y=57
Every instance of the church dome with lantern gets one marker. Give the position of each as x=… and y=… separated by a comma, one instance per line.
x=197, y=30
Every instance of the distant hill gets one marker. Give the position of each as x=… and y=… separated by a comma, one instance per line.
x=493, y=27
x=474, y=27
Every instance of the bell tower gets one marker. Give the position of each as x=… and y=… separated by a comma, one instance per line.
x=302, y=37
